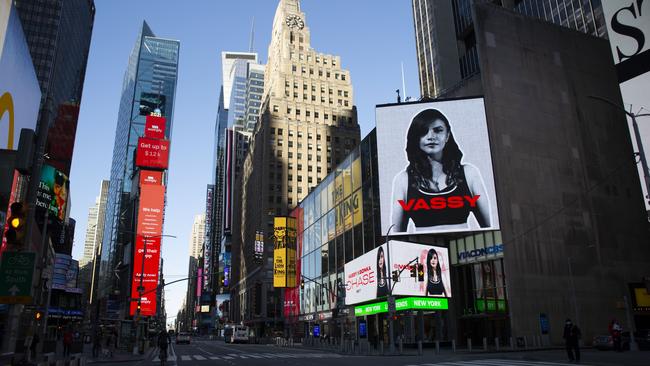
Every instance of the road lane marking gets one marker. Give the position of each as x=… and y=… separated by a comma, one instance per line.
x=186, y=358
x=200, y=358
x=215, y=358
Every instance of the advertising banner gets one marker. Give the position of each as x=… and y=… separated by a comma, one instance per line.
x=368, y=277
x=150, y=177
x=52, y=192
x=154, y=127
x=149, y=229
x=628, y=28
x=221, y=310
x=20, y=93
x=199, y=283
x=207, y=244
x=151, y=260
x=435, y=168
x=228, y=180
x=152, y=153
x=284, y=252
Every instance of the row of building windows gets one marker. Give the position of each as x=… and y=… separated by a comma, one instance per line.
x=323, y=89
x=310, y=58
x=321, y=73
x=296, y=95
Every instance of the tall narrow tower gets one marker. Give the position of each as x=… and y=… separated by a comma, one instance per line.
x=307, y=127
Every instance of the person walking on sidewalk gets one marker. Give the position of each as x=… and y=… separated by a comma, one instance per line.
x=163, y=341
x=67, y=342
x=615, y=331
x=571, y=340
x=97, y=343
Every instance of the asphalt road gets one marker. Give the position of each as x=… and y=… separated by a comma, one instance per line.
x=203, y=352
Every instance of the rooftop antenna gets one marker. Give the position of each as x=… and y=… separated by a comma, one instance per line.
x=252, y=40
x=399, y=99
x=403, y=82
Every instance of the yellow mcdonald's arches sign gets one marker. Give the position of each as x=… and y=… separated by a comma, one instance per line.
x=7, y=105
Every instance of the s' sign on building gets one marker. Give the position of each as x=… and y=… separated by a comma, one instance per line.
x=20, y=95
x=628, y=27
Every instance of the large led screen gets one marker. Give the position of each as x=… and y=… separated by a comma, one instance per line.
x=20, y=94
x=435, y=168
x=368, y=277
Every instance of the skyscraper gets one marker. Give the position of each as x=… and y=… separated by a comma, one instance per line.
x=149, y=87
x=446, y=40
x=95, y=225
x=198, y=236
x=308, y=125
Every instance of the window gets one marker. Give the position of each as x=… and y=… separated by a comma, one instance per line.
x=290, y=177
x=309, y=179
x=310, y=146
x=279, y=132
x=290, y=134
x=345, y=93
x=293, y=68
x=310, y=136
x=342, y=76
x=290, y=155
x=308, y=113
x=334, y=117
x=309, y=168
x=318, y=169
x=327, y=116
x=290, y=189
x=329, y=138
x=290, y=143
x=346, y=103
x=290, y=166
x=276, y=108
x=279, y=142
x=318, y=137
x=299, y=134
x=316, y=115
x=311, y=71
x=340, y=92
x=318, y=158
x=299, y=168
x=300, y=178
x=297, y=112
x=331, y=91
x=319, y=147
x=299, y=155
x=299, y=190
x=272, y=131
x=279, y=153
x=320, y=72
x=309, y=158
x=328, y=74
x=290, y=201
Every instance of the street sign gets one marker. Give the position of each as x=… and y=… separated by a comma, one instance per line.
x=16, y=271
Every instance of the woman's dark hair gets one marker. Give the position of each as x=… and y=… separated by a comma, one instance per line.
x=379, y=253
x=438, y=269
x=419, y=165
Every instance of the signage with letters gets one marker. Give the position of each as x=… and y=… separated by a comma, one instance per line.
x=152, y=153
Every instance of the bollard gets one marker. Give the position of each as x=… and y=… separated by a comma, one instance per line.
x=469, y=344
x=419, y=348
x=496, y=343
x=485, y=346
x=512, y=342
x=453, y=345
x=438, y=346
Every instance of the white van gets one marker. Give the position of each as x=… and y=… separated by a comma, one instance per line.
x=240, y=334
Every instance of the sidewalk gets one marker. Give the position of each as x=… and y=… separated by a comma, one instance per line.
x=117, y=357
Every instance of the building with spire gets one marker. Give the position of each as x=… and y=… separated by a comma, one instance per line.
x=308, y=125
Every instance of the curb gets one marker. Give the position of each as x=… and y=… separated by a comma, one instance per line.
x=139, y=358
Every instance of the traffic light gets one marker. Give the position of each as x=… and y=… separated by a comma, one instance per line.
x=302, y=284
x=16, y=225
x=38, y=315
x=413, y=271
x=396, y=276
x=421, y=272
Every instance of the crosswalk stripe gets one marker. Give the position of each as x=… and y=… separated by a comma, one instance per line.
x=227, y=358
x=255, y=355
x=200, y=358
x=496, y=362
x=186, y=358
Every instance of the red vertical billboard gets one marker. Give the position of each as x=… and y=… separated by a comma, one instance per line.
x=152, y=153
x=292, y=295
x=149, y=229
x=154, y=127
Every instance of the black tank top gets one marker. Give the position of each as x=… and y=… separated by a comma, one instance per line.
x=435, y=288
x=434, y=217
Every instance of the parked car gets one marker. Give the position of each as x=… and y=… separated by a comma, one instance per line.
x=240, y=334
x=606, y=342
x=183, y=338
x=642, y=338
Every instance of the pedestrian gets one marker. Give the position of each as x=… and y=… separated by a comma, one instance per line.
x=97, y=343
x=571, y=338
x=615, y=331
x=67, y=342
x=34, y=345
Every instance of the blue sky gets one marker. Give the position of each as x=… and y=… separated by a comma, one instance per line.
x=372, y=37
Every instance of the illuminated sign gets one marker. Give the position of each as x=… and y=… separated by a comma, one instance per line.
x=284, y=252
x=154, y=127
x=150, y=177
x=435, y=168
x=409, y=303
x=152, y=153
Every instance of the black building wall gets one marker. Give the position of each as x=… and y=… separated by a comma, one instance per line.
x=574, y=227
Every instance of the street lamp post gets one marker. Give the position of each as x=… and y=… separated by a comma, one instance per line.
x=639, y=143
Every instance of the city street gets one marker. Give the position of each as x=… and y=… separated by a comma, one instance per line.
x=210, y=352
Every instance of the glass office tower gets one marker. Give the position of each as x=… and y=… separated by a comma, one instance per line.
x=149, y=87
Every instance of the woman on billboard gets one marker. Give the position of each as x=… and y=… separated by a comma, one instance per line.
x=435, y=285
x=436, y=191
x=382, y=283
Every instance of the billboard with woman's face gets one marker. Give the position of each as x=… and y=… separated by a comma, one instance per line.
x=435, y=168
x=369, y=276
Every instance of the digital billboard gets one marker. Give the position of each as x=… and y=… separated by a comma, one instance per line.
x=284, y=252
x=52, y=193
x=154, y=127
x=152, y=104
x=152, y=153
x=149, y=229
x=435, y=168
x=150, y=177
x=368, y=276
x=20, y=93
